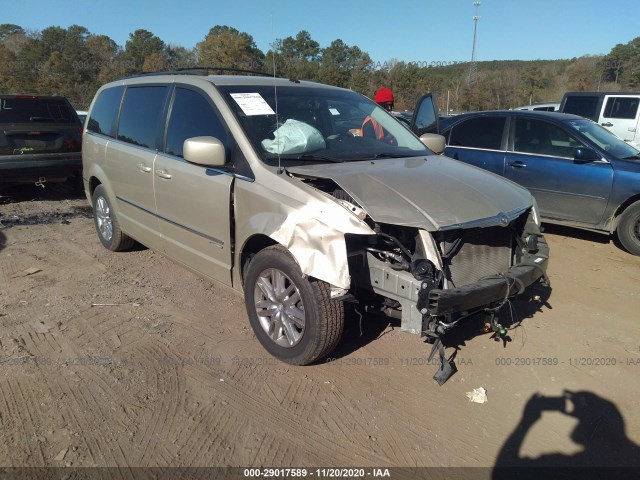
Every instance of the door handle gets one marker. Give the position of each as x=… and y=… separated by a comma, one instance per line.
x=517, y=164
x=144, y=168
x=608, y=124
x=163, y=174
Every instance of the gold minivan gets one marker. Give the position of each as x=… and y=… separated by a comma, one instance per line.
x=260, y=184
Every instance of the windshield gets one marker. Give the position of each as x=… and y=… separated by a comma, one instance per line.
x=318, y=125
x=604, y=139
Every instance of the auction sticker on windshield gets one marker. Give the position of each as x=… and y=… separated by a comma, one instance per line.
x=252, y=104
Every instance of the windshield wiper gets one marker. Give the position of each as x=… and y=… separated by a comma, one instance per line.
x=313, y=156
x=305, y=156
x=391, y=155
x=633, y=157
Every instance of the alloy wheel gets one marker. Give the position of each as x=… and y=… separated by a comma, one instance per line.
x=279, y=307
x=103, y=219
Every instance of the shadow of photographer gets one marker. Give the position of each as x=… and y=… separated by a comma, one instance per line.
x=606, y=452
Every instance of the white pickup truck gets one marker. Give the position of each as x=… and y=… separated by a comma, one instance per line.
x=619, y=112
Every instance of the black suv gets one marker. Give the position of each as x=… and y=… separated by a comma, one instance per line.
x=40, y=139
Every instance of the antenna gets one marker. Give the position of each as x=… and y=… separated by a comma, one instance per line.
x=473, y=68
x=275, y=93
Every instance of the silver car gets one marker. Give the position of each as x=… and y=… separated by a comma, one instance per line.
x=271, y=187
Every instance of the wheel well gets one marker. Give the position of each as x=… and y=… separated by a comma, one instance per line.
x=93, y=184
x=251, y=247
x=622, y=208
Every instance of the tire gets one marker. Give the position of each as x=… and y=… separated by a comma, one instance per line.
x=106, y=223
x=628, y=229
x=320, y=320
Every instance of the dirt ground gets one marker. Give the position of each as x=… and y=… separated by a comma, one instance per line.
x=126, y=359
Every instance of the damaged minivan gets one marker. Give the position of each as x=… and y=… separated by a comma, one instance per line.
x=273, y=187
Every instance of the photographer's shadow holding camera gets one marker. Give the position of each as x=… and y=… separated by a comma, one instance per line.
x=600, y=431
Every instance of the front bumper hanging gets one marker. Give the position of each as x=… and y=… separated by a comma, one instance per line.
x=484, y=292
x=489, y=294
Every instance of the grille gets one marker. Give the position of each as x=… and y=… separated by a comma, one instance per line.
x=484, y=252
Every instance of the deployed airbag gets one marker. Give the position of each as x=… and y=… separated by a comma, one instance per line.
x=294, y=136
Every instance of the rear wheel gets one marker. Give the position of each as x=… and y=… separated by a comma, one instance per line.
x=293, y=316
x=629, y=228
x=107, y=225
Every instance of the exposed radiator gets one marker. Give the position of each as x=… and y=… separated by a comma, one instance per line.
x=484, y=252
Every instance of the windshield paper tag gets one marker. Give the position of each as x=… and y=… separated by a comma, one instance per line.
x=252, y=104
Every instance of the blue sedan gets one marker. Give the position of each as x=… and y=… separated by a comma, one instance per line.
x=579, y=173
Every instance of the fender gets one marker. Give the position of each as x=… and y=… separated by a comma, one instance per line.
x=313, y=232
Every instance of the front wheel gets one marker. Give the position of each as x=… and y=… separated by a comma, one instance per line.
x=629, y=228
x=293, y=317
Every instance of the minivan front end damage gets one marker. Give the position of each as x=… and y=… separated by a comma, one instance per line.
x=432, y=268
x=431, y=281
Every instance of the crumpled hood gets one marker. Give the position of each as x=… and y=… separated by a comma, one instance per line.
x=432, y=192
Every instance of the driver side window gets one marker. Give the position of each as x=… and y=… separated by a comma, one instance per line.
x=191, y=116
x=543, y=138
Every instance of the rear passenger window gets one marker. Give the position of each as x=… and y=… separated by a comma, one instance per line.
x=482, y=132
x=621, y=107
x=141, y=115
x=105, y=111
x=191, y=116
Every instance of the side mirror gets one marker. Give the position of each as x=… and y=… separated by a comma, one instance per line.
x=434, y=142
x=206, y=151
x=584, y=155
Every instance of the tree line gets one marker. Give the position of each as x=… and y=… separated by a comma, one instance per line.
x=75, y=62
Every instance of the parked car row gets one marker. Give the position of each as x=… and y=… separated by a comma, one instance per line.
x=276, y=189
x=618, y=112
x=581, y=174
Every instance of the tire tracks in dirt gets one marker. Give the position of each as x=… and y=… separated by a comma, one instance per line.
x=165, y=383
x=282, y=423
x=21, y=408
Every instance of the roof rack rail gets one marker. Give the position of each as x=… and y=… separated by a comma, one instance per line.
x=201, y=70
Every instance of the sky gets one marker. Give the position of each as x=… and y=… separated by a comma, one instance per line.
x=407, y=30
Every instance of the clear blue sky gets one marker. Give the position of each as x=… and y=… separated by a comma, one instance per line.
x=410, y=30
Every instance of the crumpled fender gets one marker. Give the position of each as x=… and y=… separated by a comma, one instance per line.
x=318, y=244
x=313, y=232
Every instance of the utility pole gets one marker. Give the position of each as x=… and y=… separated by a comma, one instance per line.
x=473, y=68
